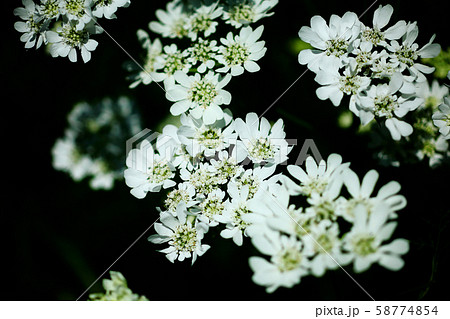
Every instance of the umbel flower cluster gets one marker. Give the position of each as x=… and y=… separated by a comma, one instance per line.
x=66, y=25
x=92, y=145
x=377, y=66
x=195, y=71
x=431, y=131
x=116, y=289
x=219, y=171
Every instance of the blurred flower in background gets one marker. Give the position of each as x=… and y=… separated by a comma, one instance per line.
x=93, y=143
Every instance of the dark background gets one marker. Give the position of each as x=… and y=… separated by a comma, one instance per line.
x=59, y=235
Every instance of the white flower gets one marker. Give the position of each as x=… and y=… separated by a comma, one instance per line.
x=107, y=8
x=441, y=118
x=183, y=193
x=103, y=178
x=317, y=177
x=184, y=239
x=334, y=85
x=258, y=179
x=226, y=167
x=67, y=39
x=233, y=214
x=407, y=53
x=202, y=95
x=433, y=95
x=330, y=42
x=67, y=158
x=382, y=101
x=240, y=52
x=203, y=52
x=172, y=23
x=261, y=141
x=436, y=149
x=202, y=20
x=171, y=61
x=77, y=11
x=202, y=178
x=381, y=18
x=33, y=27
x=50, y=9
x=323, y=246
x=365, y=242
x=211, y=206
x=116, y=289
x=154, y=50
x=248, y=11
x=148, y=171
x=206, y=139
x=287, y=263
x=387, y=200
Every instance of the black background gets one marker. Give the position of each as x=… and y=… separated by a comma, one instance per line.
x=59, y=235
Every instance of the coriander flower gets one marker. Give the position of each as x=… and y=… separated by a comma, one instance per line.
x=183, y=193
x=258, y=179
x=248, y=11
x=78, y=12
x=387, y=200
x=67, y=39
x=441, y=118
x=169, y=62
x=154, y=50
x=211, y=206
x=316, y=178
x=240, y=52
x=381, y=18
x=183, y=237
x=202, y=178
x=50, y=9
x=172, y=22
x=206, y=139
x=116, y=289
x=203, y=52
x=365, y=242
x=202, y=21
x=335, y=85
x=148, y=171
x=261, y=141
x=323, y=246
x=202, y=95
x=436, y=149
x=331, y=42
x=236, y=209
x=407, y=53
x=33, y=25
x=107, y=8
x=433, y=95
x=287, y=263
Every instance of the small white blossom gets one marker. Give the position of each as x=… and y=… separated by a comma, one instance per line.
x=68, y=39
x=287, y=262
x=248, y=11
x=201, y=95
x=172, y=22
x=261, y=141
x=441, y=118
x=78, y=12
x=201, y=21
x=365, y=242
x=203, y=52
x=107, y=8
x=183, y=237
x=239, y=52
x=331, y=42
x=166, y=64
x=33, y=25
x=148, y=171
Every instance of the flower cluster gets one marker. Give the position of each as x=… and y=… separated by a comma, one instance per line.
x=378, y=67
x=116, y=289
x=67, y=25
x=194, y=75
x=332, y=230
x=429, y=138
x=210, y=171
x=93, y=143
